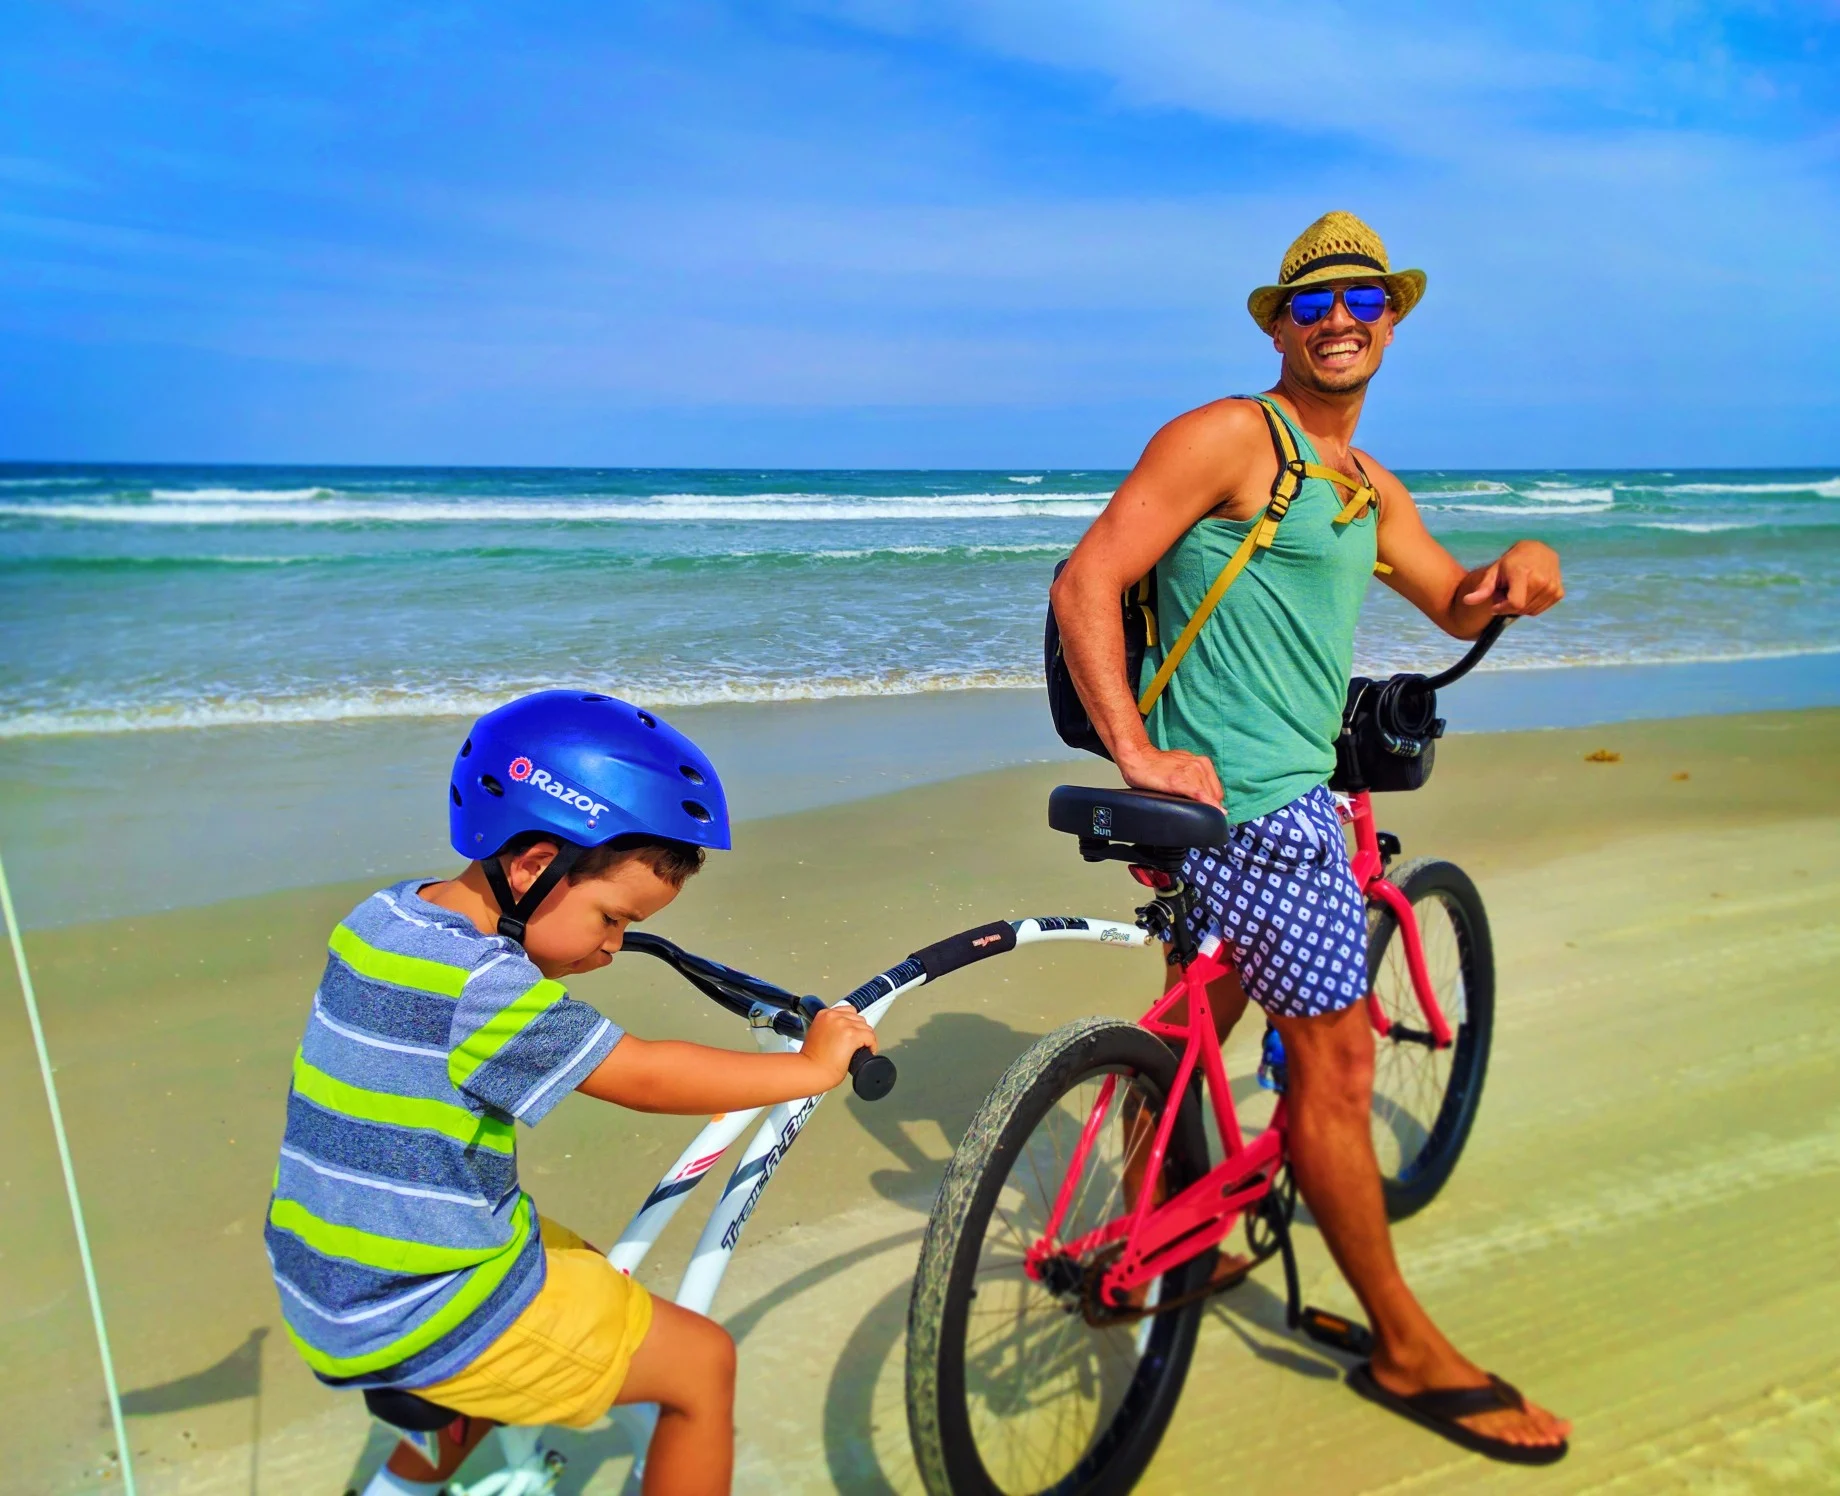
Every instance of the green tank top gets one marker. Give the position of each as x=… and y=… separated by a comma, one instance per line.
x=1261, y=690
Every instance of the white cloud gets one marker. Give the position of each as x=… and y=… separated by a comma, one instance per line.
x=1329, y=70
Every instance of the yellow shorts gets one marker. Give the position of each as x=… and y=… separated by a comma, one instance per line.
x=563, y=1359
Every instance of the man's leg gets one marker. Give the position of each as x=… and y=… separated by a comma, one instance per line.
x=1330, y=1064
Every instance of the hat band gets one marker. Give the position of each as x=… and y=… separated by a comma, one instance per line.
x=1325, y=262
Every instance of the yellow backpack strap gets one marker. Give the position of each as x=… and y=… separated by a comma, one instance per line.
x=1193, y=627
x=1291, y=472
x=1363, y=493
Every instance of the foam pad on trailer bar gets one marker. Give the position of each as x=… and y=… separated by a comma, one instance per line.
x=962, y=949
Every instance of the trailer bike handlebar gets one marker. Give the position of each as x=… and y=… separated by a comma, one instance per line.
x=767, y=1005
x=872, y=1076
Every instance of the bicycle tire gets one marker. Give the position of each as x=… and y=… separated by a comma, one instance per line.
x=939, y=1392
x=1425, y=1100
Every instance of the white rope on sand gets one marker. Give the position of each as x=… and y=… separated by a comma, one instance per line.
x=70, y=1180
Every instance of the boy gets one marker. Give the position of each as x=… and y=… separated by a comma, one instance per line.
x=406, y=1255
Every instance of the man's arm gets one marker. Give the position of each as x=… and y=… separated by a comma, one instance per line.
x=1193, y=465
x=668, y=1075
x=1525, y=580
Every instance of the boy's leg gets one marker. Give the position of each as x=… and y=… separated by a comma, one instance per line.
x=686, y=1364
x=406, y=1460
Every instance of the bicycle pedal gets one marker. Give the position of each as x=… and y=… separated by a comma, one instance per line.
x=1336, y=1331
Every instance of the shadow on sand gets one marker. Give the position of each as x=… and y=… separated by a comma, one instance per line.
x=948, y=1067
x=236, y=1376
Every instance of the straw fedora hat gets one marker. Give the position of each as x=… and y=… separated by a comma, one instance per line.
x=1337, y=247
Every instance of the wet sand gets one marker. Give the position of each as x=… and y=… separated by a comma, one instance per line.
x=1641, y=1233
x=257, y=809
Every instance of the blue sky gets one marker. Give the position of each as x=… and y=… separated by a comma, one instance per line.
x=869, y=232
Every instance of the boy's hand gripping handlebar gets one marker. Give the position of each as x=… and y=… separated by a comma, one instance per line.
x=872, y=1075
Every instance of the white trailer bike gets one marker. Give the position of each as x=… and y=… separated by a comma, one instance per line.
x=777, y=1018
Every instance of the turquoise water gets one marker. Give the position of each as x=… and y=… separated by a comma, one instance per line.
x=136, y=598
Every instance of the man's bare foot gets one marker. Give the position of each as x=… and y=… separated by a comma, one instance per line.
x=1528, y=1425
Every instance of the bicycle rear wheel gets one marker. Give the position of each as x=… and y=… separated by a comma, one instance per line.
x=1425, y=1098
x=1010, y=1388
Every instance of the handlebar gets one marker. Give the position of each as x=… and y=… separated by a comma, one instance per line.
x=734, y=990
x=1485, y=641
x=872, y=1076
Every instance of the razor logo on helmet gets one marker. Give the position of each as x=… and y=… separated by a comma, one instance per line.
x=524, y=771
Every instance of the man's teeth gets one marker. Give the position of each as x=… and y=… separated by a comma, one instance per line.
x=1336, y=350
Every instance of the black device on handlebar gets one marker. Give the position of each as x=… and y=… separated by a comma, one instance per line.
x=1390, y=727
x=872, y=1076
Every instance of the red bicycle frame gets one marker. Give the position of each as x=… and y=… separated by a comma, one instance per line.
x=1154, y=1238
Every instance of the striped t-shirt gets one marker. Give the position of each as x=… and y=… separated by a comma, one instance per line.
x=400, y=1240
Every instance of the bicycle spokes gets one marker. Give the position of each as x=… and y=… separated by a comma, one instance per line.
x=1411, y=1071
x=1042, y=1377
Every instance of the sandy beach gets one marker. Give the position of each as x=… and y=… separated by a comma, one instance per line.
x=1641, y=1233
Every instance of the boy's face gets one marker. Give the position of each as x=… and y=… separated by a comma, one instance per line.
x=580, y=926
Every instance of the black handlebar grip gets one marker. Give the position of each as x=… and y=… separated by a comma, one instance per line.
x=871, y=1075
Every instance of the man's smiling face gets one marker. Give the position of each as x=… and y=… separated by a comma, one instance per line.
x=1338, y=355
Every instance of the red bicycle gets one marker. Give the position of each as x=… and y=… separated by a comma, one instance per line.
x=1061, y=1282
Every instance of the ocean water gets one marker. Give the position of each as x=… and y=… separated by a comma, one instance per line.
x=140, y=598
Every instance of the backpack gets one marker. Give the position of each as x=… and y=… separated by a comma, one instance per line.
x=1071, y=721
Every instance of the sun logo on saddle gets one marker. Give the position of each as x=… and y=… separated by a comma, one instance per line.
x=1102, y=820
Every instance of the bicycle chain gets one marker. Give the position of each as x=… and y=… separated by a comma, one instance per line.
x=1103, y=1316
x=1281, y=1197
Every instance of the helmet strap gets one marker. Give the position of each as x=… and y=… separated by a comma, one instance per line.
x=514, y=912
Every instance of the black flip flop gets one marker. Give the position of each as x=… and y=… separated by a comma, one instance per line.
x=1440, y=1408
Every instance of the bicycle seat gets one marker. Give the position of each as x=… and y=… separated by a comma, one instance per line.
x=1143, y=818
x=406, y=1411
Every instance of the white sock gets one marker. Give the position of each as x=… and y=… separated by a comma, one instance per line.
x=386, y=1483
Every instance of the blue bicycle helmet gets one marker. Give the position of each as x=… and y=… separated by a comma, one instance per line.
x=582, y=768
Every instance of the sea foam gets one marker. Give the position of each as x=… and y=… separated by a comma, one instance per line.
x=188, y=508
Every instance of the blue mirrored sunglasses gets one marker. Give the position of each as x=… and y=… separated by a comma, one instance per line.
x=1364, y=303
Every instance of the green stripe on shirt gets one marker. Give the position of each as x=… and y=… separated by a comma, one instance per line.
x=478, y=1287
x=414, y=972
x=420, y=1113
x=388, y=1254
x=501, y=1028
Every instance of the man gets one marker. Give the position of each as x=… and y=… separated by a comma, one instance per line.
x=1248, y=720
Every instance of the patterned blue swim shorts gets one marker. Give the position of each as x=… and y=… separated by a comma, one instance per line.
x=1281, y=896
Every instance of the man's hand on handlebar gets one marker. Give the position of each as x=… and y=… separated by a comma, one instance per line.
x=833, y=1036
x=1174, y=772
x=1523, y=583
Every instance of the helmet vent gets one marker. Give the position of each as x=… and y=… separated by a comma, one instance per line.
x=454, y=790
x=691, y=772
x=491, y=786
x=648, y=719
x=466, y=747
x=592, y=697
x=697, y=812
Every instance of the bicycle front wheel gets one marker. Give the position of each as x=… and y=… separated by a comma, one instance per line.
x=1425, y=1098
x=1021, y=1385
